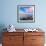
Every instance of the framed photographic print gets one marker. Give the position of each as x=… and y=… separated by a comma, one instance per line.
x=26, y=13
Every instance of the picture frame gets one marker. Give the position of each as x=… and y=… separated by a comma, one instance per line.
x=25, y=13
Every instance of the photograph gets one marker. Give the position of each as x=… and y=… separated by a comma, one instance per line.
x=26, y=13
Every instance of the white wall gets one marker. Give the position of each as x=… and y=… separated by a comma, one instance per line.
x=9, y=13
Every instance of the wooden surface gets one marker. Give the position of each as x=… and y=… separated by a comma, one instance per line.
x=23, y=39
x=34, y=39
x=13, y=39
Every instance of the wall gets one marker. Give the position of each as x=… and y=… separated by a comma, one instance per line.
x=8, y=13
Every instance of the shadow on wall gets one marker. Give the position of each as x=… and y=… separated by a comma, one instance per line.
x=2, y=26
